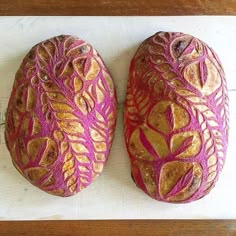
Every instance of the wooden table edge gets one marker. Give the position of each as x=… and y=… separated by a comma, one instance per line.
x=116, y=8
x=119, y=227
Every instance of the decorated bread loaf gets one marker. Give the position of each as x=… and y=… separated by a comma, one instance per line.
x=61, y=115
x=176, y=117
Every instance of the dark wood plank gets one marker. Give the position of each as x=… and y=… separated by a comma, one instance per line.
x=124, y=227
x=119, y=7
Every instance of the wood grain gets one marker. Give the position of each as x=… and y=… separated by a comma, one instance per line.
x=120, y=7
x=124, y=227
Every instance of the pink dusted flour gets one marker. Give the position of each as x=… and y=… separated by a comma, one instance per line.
x=176, y=117
x=61, y=115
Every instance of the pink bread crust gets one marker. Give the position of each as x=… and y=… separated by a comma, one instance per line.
x=176, y=91
x=61, y=115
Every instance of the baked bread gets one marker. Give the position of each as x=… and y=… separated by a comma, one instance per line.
x=176, y=117
x=61, y=115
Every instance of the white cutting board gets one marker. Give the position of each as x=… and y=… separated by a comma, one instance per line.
x=113, y=195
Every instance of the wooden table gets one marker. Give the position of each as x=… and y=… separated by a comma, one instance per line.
x=117, y=228
x=122, y=7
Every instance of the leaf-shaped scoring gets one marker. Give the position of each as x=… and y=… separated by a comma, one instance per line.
x=136, y=107
x=69, y=133
x=213, y=138
x=180, y=180
x=170, y=70
x=79, y=148
x=70, y=136
x=221, y=97
x=212, y=133
x=101, y=132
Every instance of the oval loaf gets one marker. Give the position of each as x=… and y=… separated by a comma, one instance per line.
x=176, y=117
x=61, y=115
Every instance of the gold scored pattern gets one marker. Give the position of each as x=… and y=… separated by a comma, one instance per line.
x=63, y=113
x=175, y=92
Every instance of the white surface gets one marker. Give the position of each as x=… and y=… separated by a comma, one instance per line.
x=113, y=195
